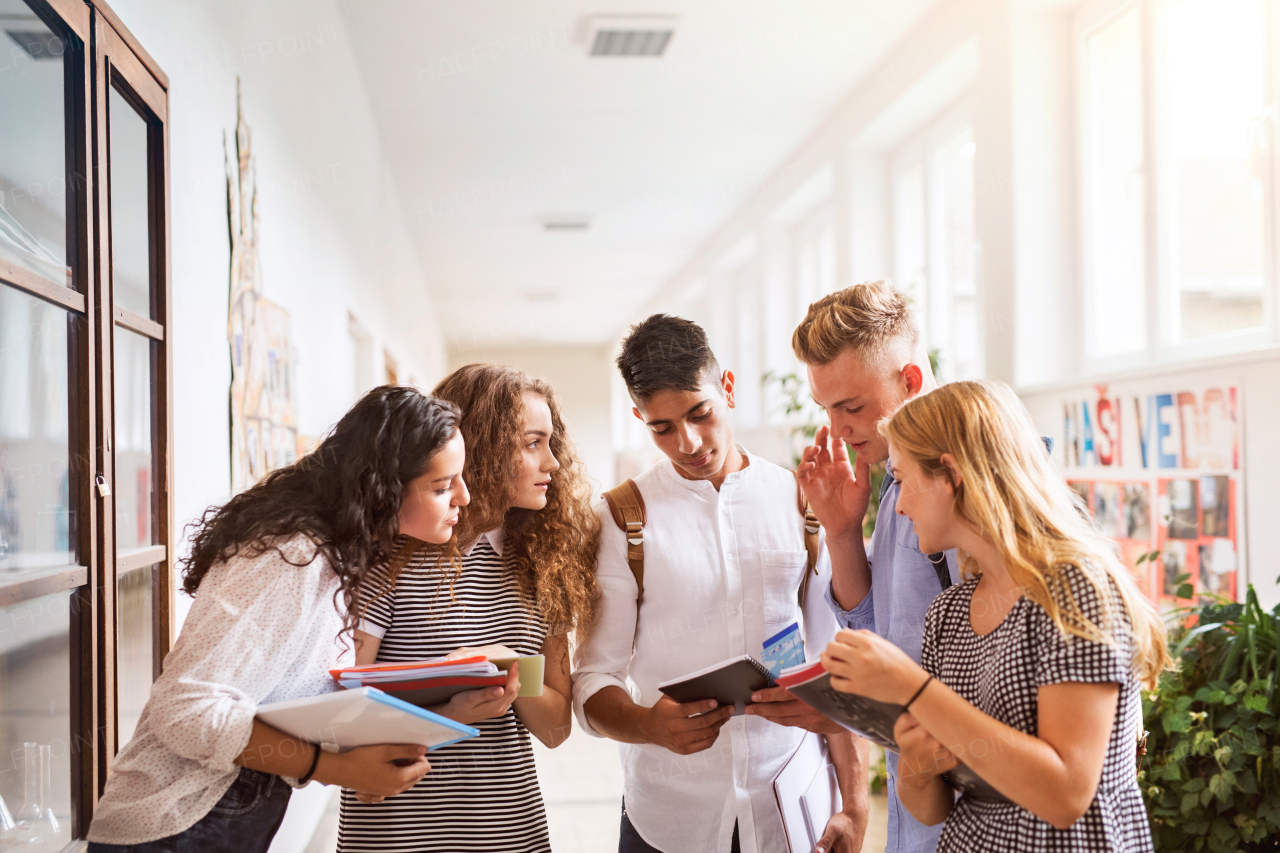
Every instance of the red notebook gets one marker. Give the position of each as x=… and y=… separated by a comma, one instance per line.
x=428, y=692
x=373, y=669
x=424, y=683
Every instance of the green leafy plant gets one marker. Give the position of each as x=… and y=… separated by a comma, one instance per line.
x=1211, y=776
x=878, y=770
x=1185, y=588
x=792, y=394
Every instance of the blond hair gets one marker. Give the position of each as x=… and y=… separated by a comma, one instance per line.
x=871, y=318
x=1011, y=495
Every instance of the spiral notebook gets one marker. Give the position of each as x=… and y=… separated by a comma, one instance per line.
x=729, y=682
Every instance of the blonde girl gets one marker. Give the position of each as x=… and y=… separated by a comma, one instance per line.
x=1032, y=667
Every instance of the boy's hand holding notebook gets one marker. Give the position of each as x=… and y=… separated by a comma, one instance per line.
x=729, y=682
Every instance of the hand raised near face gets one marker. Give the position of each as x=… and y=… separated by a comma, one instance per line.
x=837, y=493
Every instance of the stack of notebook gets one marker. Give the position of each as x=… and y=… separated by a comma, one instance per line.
x=433, y=682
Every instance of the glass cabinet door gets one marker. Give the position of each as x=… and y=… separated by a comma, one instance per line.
x=43, y=319
x=85, y=491
x=137, y=337
x=33, y=168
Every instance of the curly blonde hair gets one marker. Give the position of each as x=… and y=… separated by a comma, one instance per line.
x=552, y=551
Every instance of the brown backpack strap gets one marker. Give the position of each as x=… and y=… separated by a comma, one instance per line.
x=626, y=505
x=811, y=529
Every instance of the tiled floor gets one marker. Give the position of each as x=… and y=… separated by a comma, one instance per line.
x=582, y=788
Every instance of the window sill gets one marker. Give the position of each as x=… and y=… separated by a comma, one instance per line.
x=1184, y=363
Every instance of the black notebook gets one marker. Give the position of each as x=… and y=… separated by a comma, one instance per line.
x=873, y=720
x=729, y=682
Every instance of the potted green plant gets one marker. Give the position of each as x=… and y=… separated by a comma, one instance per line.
x=1211, y=774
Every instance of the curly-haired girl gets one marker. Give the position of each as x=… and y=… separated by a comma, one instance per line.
x=275, y=572
x=524, y=578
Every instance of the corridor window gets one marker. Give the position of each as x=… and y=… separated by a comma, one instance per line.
x=1114, y=189
x=935, y=250
x=1178, y=173
x=955, y=283
x=1214, y=102
x=815, y=258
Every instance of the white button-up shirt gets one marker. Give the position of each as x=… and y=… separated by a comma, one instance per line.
x=263, y=628
x=721, y=574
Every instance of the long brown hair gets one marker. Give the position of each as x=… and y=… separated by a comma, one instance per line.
x=1010, y=494
x=552, y=551
x=345, y=495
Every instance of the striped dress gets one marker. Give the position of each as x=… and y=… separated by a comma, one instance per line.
x=481, y=794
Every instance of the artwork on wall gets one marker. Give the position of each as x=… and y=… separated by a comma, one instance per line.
x=1161, y=473
x=264, y=424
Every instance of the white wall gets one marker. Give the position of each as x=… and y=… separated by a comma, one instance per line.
x=332, y=238
x=580, y=376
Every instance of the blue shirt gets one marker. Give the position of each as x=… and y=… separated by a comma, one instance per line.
x=903, y=585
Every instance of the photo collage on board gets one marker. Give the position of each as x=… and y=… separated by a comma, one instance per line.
x=1159, y=473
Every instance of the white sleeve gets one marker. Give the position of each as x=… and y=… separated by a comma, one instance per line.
x=604, y=659
x=819, y=622
x=247, y=627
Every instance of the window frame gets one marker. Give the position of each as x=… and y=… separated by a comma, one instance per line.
x=120, y=64
x=921, y=148
x=103, y=50
x=1162, y=345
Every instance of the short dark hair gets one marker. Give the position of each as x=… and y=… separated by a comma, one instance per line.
x=665, y=353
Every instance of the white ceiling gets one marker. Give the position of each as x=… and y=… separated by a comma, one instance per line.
x=492, y=117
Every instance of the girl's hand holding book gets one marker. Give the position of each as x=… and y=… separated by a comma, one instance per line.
x=923, y=759
x=862, y=662
x=472, y=706
x=376, y=771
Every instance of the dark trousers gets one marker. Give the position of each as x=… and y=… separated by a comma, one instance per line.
x=243, y=821
x=629, y=841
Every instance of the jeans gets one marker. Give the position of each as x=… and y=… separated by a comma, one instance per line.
x=243, y=821
x=629, y=841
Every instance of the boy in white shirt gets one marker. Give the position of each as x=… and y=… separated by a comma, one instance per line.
x=723, y=562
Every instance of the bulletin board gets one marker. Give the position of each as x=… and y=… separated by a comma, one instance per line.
x=1161, y=472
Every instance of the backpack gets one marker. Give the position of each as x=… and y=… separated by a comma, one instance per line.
x=626, y=505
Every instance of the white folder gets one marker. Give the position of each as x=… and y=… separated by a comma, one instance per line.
x=349, y=718
x=807, y=793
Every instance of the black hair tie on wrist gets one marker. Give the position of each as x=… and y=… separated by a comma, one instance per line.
x=917, y=693
x=315, y=762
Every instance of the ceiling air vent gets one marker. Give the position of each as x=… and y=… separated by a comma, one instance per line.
x=566, y=222
x=632, y=35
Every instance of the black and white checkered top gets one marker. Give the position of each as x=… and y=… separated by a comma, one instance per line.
x=999, y=673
